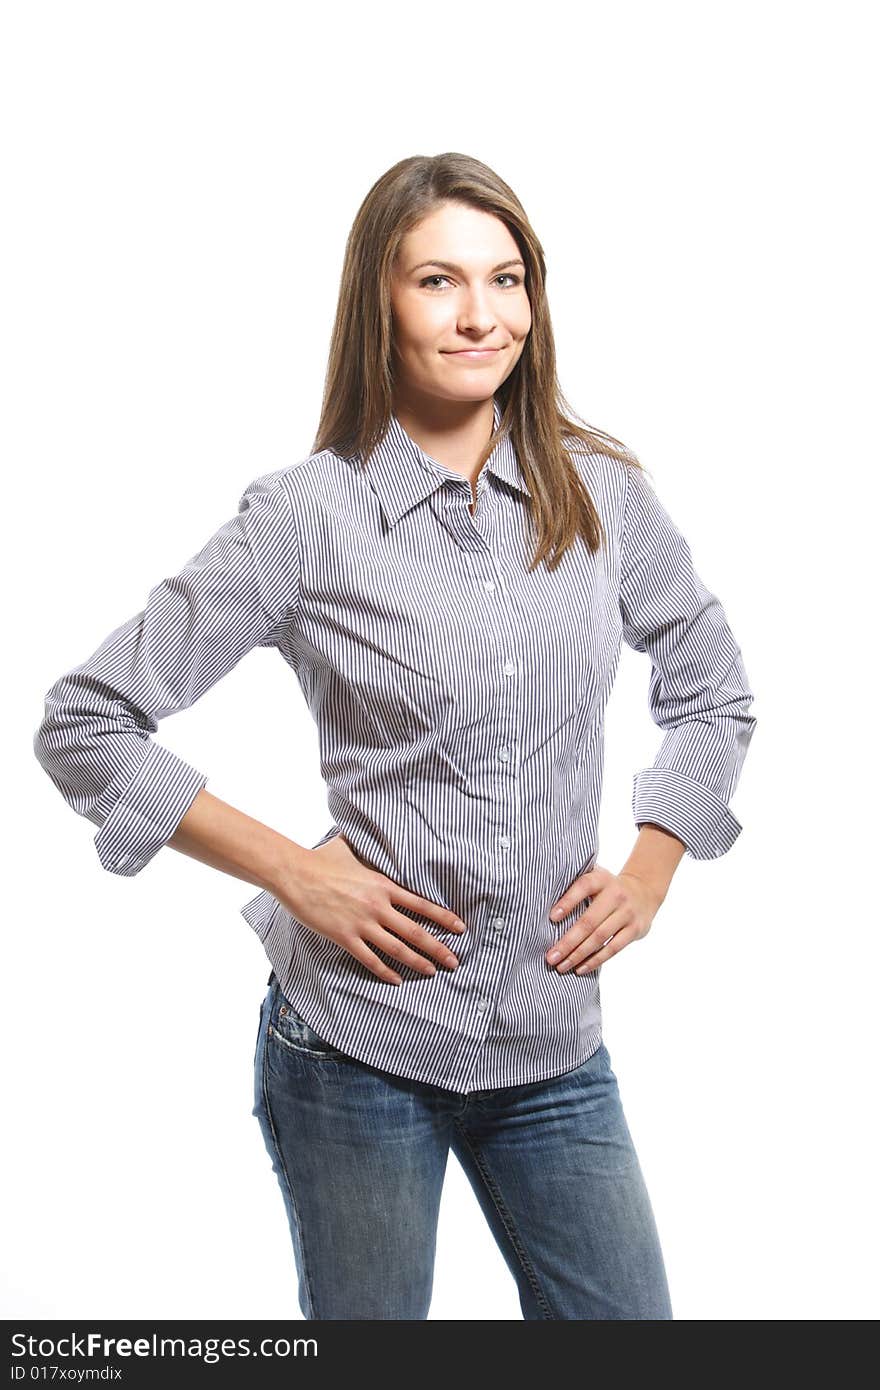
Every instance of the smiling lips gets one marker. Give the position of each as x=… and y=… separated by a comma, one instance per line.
x=475, y=354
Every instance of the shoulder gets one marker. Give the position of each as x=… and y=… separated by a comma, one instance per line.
x=606, y=477
x=301, y=486
x=597, y=461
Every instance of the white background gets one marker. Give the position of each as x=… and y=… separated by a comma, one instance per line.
x=179, y=180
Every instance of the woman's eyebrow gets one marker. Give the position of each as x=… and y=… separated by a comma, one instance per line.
x=450, y=265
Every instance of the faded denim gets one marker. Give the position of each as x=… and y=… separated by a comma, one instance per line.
x=360, y=1156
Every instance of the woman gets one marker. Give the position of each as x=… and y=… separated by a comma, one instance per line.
x=449, y=574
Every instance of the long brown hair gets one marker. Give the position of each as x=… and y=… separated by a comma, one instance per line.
x=358, y=386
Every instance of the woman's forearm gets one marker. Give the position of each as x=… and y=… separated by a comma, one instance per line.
x=655, y=857
x=224, y=838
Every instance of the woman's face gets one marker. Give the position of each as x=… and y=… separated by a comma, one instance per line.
x=458, y=285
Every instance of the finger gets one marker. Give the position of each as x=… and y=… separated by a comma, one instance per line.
x=585, y=936
x=422, y=937
x=362, y=952
x=443, y=916
x=579, y=931
x=393, y=946
x=419, y=937
x=611, y=927
x=574, y=894
x=611, y=948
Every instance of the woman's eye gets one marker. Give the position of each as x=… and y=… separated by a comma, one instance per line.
x=516, y=280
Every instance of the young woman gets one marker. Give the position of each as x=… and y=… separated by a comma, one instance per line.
x=449, y=574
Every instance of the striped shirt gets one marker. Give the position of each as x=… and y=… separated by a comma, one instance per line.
x=459, y=701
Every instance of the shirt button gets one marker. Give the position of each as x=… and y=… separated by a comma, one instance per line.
x=504, y=754
x=482, y=1005
x=122, y=861
x=504, y=841
x=489, y=585
x=510, y=668
x=497, y=924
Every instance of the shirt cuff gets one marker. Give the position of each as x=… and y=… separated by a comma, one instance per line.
x=148, y=812
x=701, y=820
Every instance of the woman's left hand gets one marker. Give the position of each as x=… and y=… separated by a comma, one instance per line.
x=622, y=909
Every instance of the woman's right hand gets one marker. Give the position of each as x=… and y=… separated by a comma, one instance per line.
x=335, y=894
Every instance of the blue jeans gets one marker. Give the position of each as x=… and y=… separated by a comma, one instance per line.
x=360, y=1156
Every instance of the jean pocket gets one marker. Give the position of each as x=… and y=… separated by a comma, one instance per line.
x=290, y=1030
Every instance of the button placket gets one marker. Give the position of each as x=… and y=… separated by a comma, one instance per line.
x=506, y=773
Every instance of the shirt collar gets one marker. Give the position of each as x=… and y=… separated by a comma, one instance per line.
x=402, y=474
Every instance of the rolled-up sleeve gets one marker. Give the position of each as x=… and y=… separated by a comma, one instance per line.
x=698, y=691
x=96, y=740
